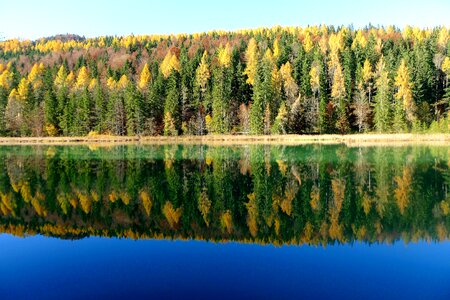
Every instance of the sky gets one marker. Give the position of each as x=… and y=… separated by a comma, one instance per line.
x=31, y=19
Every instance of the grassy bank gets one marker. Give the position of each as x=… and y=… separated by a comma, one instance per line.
x=351, y=139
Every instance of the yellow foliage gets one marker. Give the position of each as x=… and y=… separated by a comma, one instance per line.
x=172, y=215
x=224, y=56
x=202, y=73
x=70, y=79
x=170, y=63
x=308, y=44
x=338, y=187
x=125, y=198
x=61, y=76
x=276, y=49
x=204, y=206
x=83, y=78
x=93, y=84
x=111, y=83
x=367, y=73
x=315, y=198
x=403, y=189
x=51, y=130
x=314, y=78
x=252, y=216
x=123, y=82
x=338, y=88
x=23, y=90
x=227, y=222
x=404, y=92
x=6, y=79
x=251, y=57
x=443, y=38
x=113, y=197
x=85, y=201
x=146, y=201
x=446, y=66
x=145, y=77
x=445, y=207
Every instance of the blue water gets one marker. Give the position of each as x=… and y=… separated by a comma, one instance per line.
x=47, y=268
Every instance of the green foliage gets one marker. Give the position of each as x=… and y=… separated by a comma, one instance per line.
x=150, y=85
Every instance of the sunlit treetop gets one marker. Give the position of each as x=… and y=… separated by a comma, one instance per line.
x=251, y=57
x=144, y=77
x=61, y=77
x=202, y=73
x=6, y=78
x=83, y=78
x=224, y=56
x=170, y=63
x=446, y=66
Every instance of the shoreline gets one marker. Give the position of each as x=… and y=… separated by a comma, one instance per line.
x=350, y=139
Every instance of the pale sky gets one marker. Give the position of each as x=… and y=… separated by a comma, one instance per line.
x=31, y=19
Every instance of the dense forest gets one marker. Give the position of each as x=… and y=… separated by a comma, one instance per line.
x=280, y=80
x=312, y=194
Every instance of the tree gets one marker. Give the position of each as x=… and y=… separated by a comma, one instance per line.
x=383, y=98
x=338, y=94
x=361, y=108
x=251, y=58
x=134, y=110
x=262, y=94
x=221, y=94
x=144, y=78
x=403, y=96
x=172, y=105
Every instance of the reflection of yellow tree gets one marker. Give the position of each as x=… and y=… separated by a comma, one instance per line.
x=252, y=217
x=172, y=215
x=85, y=201
x=315, y=198
x=6, y=204
x=338, y=187
x=289, y=195
x=146, y=201
x=403, y=189
x=227, y=221
x=204, y=206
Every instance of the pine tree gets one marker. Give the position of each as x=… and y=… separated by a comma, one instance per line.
x=383, y=99
x=133, y=110
x=172, y=122
x=221, y=94
x=262, y=94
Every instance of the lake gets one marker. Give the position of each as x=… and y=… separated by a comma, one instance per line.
x=196, y=221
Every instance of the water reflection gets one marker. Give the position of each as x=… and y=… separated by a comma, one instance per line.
x=313, y=194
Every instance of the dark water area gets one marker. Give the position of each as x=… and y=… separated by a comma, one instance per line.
x=204, y=222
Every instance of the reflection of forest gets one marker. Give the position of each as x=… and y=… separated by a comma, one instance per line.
x=280, y=195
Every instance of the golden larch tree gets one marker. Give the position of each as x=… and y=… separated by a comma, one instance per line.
x=251, y=57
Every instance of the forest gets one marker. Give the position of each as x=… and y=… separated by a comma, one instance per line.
x=315, y=194
x=280, y=80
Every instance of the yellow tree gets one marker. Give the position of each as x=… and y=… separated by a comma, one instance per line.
x=367, y=76
x=404, y=93
x=338, y=95
x=6, y=79
x=445, y=68
x=170, y=63
x=144, y=77
x=83, y=79
x=61, y=76
x=308, y=44
x=251, y=57
x=224, y=56
x=202, y=73
x=289, y=84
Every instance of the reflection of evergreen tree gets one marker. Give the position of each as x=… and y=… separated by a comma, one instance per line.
x=310, y=194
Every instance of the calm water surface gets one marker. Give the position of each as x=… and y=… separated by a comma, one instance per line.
x=205, y=222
